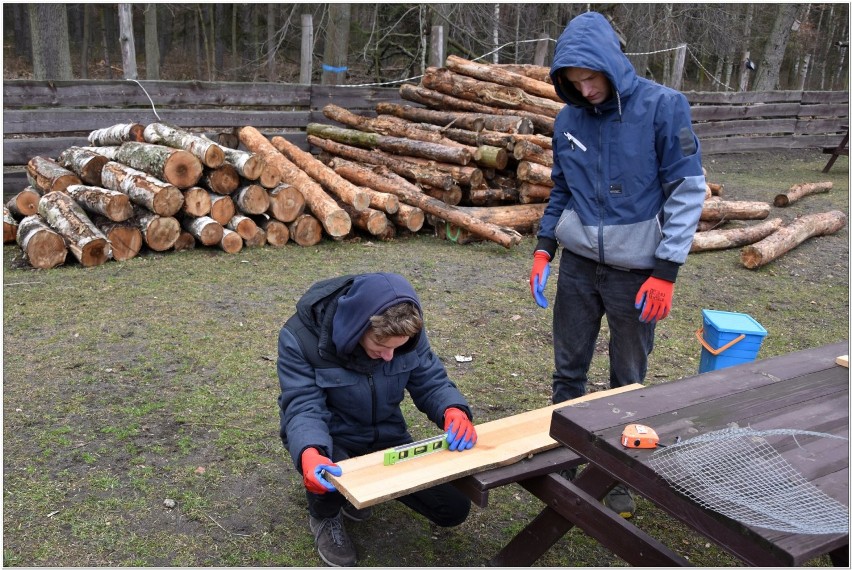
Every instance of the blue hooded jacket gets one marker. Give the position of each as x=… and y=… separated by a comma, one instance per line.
x=332, y=391
x=628, y=184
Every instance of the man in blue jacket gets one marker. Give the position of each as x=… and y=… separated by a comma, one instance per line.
x=345, y=359
x=627, y=195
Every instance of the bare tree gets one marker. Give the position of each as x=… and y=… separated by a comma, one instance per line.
x=51, y=49
x=152, y=44
x=336, y=44
x=769, y=68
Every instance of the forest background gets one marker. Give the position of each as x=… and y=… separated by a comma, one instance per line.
x=728, y=47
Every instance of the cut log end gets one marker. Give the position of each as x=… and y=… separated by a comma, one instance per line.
x=126, y=242
x=46, y=250
x=231, y=242
x=95, y=252
x=182, y=169
x=162, y=233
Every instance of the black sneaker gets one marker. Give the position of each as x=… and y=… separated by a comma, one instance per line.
x=333, y=544
x=620, y=501
x=358, y=515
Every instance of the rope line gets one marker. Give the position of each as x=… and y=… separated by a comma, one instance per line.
x=153, y=108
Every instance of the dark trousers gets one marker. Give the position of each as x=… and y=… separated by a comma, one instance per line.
x=443, y=504
x=586, y=292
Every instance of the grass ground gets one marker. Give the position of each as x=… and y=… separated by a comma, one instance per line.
x=132, y=383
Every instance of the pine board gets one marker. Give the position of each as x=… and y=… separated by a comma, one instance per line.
x=367, y=481
x=843, y=360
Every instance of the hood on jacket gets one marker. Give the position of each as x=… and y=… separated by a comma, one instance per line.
x=590, y=42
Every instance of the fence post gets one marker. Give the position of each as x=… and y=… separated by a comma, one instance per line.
x=541, y=48
x=677, y=72
x=436, y=47
x=307, y=54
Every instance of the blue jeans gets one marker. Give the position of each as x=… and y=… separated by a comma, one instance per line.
x=586, y=292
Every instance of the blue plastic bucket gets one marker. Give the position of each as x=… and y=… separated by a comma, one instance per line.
x=728, y=339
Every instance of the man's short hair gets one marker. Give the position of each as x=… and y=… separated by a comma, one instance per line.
x=400, y=320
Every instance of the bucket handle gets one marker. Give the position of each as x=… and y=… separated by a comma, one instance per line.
x=699, y=334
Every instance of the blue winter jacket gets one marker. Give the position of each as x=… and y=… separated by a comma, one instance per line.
x=331, y=391
x=628, y=184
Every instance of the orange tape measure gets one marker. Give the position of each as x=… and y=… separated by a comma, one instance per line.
x=638, y=436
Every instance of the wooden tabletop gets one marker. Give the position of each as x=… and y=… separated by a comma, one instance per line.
x=805, y=390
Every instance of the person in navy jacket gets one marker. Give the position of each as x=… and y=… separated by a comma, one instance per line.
x=628, y=189
x=346, y=358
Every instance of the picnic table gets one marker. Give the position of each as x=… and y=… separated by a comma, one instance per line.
x=806, y=390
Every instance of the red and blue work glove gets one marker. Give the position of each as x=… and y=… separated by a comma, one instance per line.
x=654, y=299
x=538, y=277
x=461, y=434
x=313, y=467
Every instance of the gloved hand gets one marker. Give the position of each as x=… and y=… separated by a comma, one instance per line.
x=313, y=466
x=538, y=277
x=654, y=299
x=461, y=434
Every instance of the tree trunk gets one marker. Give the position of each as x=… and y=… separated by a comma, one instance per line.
x=397, y=164
x=160, y=232
x=374, y=222
x=735, y=237
x=222, y=208
x=250, y=166
x=521, y=218
x=529, y=193
x=205, y=229
x=10, y=226
x=111, y=204
x=717, y=209
x=46, y=175
x=152, y=44
x=222, y=180
x=117, y=134
x=502, y=76
x=409, y=217
x=184, y=241
x=277, y=233
x=125, y=238
x=336, y=44
x=484, y=194
x=243, y=225
x=460, y=119
x=126, y=41
x=534, y=173
x=24, y=203
x=152, y=193
x=177, y=167
x=769, y=68
x=84, y=163
x=196, y=202
x=43, y=248
x=343, y=189
x=231, y=241
x=285, y=203
x=51, y=47
x=467, y=175
x=790, y=236
x=251, y=199
x=305, y=230
x=464, y=136
x=799, y=191
x=85, y=241
x=378, y=125
x=307, y=52
x=525, y=150
x=451, y=197
x=208, y=152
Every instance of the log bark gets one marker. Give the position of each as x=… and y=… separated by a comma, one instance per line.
x=327, y=178
x=332, y=217
x=222, y=208
x=222, y=180
x=277, y=233
x=125, y=238
x=208, y=152
x=718, y=209
x=378, y=125
x=409, y=217
x=529, y=193
x=523, y=218
x=502, y=76
x=716, y=189
x=10, y=226
x=196, y=202
x=540, y=140
x=403, y=168
x=205, y=229
x=243, y=225
x=485, y=194
x=285, y=203
x=459, y=119
x=162, y=198
x=788, y=237
x=410, y=194
x=534, y=173
x=257, y=240
x=539, y=72
x=799, y=191
x=445, y=81
x=231, y=241
x=451, y=197
x=734, y=237
x=524, y=150
x=24, y=203
x=160, y=232
x=249, y=165
x=47, y=175
x=467, y=137
x=467, y=175
x=175, y=166
x=43, y=248
x=491, y=157
x=84, y=163
x=374, y=222
x=83, y=239
x=395, y=145
x=270, y=177
x=184, y=241
x=254, y=140
x=251, y=199
x=117, y=134
x=111, y=204
x=305, y=230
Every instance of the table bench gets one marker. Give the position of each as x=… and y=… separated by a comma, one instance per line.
x=836, y=151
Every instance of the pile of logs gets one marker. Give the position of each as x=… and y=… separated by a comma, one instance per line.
x=472, y=161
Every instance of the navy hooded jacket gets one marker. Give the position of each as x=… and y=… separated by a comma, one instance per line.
x=331, y=391
x=628, y=184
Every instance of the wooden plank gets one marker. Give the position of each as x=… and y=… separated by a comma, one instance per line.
x=843, y=360
x=720, y=113
x=745, y=127
x=367, y=481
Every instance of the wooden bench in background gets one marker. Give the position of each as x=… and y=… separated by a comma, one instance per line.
x=836, y=151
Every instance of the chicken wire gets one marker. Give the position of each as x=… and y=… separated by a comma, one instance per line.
x=737, y=473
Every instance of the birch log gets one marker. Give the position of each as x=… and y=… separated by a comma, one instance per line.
x=160, y=232
x=277, y=233
x=248, y=165
x=10, y=226
x=718, y=209
x=83, y=239
x=251, y=199
x=196, y=202
x=258, y=239
x=788, y=237
x=84, y=163
x=799, y=191
x=733, y=237
x=222, y=208
x=208, y=152
x=164, y=199
x=222, y=180
x=47, y=175
x=285, y=203
x=117, y=134
x=243, y=225
x=24, y=203
x=231, y=241
x=205, y=229
x=125, y=238
x=43, y=248
x=111, y=204
x=175, y=166
x=184, y=241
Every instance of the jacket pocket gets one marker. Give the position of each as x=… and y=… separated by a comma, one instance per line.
x=632, y=158
x=336, y=378
x=575, y=237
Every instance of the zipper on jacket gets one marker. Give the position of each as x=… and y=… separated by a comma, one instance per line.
x=374, y=400
x=602, y=184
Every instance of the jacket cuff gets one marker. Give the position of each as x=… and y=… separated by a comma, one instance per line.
x=547, y=244
x=667, y=270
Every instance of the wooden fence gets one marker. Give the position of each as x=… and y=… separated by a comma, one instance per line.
x=44, y=118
